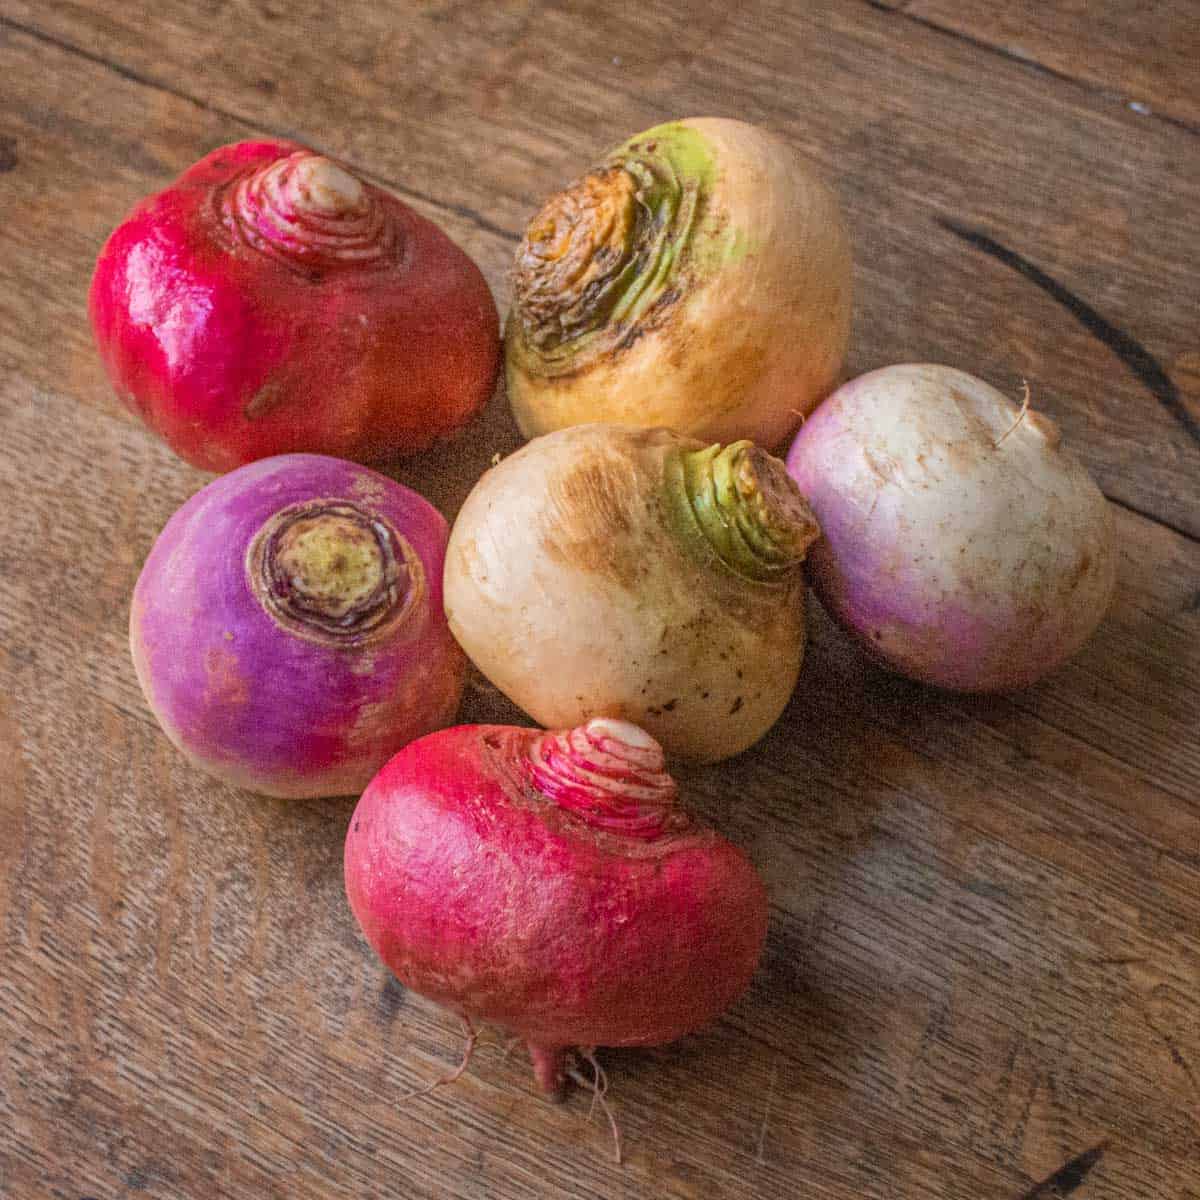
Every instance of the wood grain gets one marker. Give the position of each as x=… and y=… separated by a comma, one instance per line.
x=982, y=949
x=983, y=959
x=489, y=108
x=1144, y=52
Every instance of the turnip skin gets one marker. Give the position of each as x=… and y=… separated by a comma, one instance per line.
x=579, y=590
x=278, y=711
x=482, y=893
x=237, y=326
x=962, y=546
x=745, y=317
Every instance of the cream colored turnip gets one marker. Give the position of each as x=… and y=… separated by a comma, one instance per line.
x=618, y=572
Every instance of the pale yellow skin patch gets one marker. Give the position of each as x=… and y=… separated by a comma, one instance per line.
x=332, y=561
x=321, y=186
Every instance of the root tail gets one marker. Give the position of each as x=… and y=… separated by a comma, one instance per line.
x=1020, y=415
x=598, y=1086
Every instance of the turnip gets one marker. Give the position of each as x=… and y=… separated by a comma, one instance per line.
x=547, y=883
x=287, y=627
x=698, y=278
x=270, y=301
x=609, y=571
x=963, y=545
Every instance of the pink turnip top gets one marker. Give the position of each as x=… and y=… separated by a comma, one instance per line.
x=611, y=774
x=307, y=211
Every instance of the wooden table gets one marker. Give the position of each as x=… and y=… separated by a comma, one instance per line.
x=984, y=958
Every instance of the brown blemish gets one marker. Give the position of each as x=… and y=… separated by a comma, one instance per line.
x=669, y=297
x=368, y=489
x=589, y=515
x=1080, y=571
x=1045, y=427
x=632, y=335
x=265, y=400
x=224, y=684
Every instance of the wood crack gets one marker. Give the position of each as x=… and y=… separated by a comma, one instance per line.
x=1140, y=362
x=1149, y=516
x=1069, y=1176
x=1176, y=1054
x=124, y=72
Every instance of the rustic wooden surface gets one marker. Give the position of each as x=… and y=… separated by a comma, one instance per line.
x=984, y=960
x=1145, y=52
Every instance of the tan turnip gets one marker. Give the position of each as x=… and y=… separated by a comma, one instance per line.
x=610, y=571
x=697, y=278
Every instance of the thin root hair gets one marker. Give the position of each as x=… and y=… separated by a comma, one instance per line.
x=1020, y=415
x=468, y=1049
x=597, y=1085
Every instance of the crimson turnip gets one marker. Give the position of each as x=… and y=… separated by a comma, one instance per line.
x=547, y=883
x=269, y=301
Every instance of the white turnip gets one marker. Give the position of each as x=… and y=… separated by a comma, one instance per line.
x=963, y=545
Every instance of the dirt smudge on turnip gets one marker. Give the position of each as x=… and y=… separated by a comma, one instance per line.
x=225, y=685
x=590, y=510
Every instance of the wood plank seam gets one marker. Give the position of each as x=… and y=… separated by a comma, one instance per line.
x=259, y=127
x=1148, y=516
x=901, y=10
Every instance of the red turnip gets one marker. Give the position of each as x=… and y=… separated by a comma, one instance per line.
x=963, y=545
x=269, y=301
x=548, y=884
x=287, y=627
